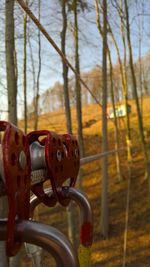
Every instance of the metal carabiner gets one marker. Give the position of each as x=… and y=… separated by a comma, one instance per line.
x=46, y=237
x=86, y=221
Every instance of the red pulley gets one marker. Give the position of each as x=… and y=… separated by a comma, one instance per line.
x=59, y=155
x=15, y=172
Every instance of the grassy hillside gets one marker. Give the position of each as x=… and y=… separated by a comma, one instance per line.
x=108, y=253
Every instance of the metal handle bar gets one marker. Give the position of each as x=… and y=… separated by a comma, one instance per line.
x=72, y=193
x=46, y=237
x=86, y=217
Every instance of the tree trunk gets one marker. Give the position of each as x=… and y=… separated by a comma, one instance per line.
x=140, y=123
x=70, y=209
x=11, y=62
x=140, y=30
x=11, y=74
x=25, y=71
x=104, y=195
x=32, y=65
x=36, y=118
x=65, y=69
x=119, y=176
x=125, y=91
x=77, y=82
x=123, y=80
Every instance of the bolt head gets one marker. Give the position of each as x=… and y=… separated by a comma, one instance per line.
x=59, y=155
x=22, y=160
x=76, y=153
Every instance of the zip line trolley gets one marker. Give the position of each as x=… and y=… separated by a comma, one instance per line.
x=26, y=162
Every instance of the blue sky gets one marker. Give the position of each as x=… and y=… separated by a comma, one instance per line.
x=90, y=42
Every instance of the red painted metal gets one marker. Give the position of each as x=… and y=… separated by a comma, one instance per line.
x=17, y=179
x=62, y=161
x=86, y=234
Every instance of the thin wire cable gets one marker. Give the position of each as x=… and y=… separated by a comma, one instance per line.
x=127, y=215
x=52, y=42
x=92, y=158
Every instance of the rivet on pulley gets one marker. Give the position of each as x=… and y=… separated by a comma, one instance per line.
x=76, y=153
x=59, y=156
x=22, y=160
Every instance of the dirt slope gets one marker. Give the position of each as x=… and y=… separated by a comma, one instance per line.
x=108, y=253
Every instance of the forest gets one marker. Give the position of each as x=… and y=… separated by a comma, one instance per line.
x=81, y=67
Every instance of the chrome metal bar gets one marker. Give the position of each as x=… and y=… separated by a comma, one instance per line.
x=74, y=194
x=79, y=197
x=99, y=156
x=34, y=201
x=46, y=237
x=86, y=216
